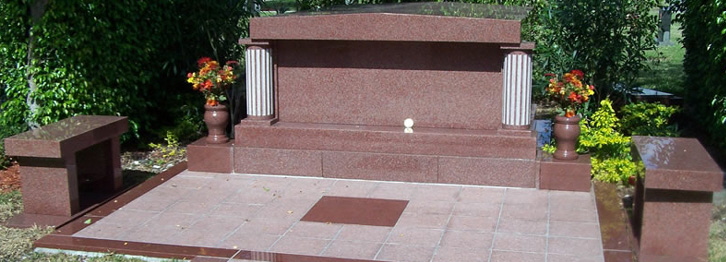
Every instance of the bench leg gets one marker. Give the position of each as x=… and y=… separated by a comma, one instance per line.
x=49, y=186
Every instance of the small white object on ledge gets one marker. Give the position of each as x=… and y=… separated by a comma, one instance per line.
x=408, y=124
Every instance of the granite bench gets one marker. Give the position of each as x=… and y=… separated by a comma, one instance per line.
x=66, y=165
x=673, y=201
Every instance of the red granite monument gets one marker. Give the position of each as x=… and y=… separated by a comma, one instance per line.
x=328, y=93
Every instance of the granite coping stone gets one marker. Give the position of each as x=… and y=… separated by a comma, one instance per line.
x=426, y=22
x=677, y=164
x=59, y=139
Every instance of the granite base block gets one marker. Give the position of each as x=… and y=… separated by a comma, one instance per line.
x=384, y=167
x=49, y=190
x=565, y=175
x=674, y=225
x=206, y=157
x=278, y=161
x=387, y=167
x=488, y=171
x=388, y=140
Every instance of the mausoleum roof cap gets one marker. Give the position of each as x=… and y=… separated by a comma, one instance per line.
x=450, y=9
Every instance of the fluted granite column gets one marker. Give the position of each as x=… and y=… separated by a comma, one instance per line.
x=517, y=92
x=258, y=63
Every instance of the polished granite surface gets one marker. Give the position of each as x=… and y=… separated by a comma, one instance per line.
x=229, y=217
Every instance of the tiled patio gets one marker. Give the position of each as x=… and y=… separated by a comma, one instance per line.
x=237, y=213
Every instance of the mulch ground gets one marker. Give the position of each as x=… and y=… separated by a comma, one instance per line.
x=10, y=178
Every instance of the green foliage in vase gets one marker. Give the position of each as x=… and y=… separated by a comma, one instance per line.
x=648, y=119
x=609, y=149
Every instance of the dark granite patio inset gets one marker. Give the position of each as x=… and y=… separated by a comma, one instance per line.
x=359, y=211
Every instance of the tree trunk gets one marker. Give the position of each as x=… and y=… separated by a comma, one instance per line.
x=37, y=9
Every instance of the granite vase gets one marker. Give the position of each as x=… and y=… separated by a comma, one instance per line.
x=216, y=117
x=566, y=132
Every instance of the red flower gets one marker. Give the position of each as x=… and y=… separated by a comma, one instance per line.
x=212, y=79
x=578, y=73
x=550, y=75
x=569, y=91
x=207, y=84
x=572, y=97
x=203, y=61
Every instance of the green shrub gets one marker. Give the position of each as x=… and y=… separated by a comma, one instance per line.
x=5, y=161
x=615, y=170
x=170, y=152
x=188, y=126
x=648, y=119
x=549, y=148
x=607, y=39
x=704, y=37
x=109, y=57
x=609, y=149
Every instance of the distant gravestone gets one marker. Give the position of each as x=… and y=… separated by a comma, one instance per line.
x=664, y=36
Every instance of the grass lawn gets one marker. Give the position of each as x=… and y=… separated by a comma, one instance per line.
x=666, y=66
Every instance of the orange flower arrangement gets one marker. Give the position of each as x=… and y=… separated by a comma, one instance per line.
x=212, y=80
x=570, y=92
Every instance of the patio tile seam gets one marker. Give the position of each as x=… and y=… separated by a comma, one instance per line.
x=128, y=232
x=448, y=220
x=335, y=237
x=229, y=234
x=183, y=229
x=519, y=251
x=282, y=236
x=496, y=227
x=380, y=249
x=547, y=231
